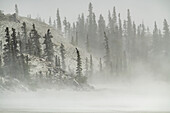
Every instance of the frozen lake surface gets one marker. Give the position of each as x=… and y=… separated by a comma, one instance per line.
x=115, y=98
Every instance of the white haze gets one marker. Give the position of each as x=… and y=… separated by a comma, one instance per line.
x=140, y=91
x=105, y=98
x=144, y=89
x=141, y=10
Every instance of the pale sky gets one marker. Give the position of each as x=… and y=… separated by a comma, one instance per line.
x=141, y=10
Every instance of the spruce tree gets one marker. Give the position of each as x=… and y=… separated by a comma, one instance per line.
x=114, y=16
x=100, y=65
x=7, y=49
x=107, y=50
x=86, y=67
x=87, y=44
x=65, y=27
x=14, y=46
x=79, y=64
x=91, y=65
x=50, y=22
x=1, y=67
x=62, y=52
x=54, y=24
x=79, y=76
x=15, y=70
x=59, y=28
x=24, y=67
x=101, y=30
x=24, y=38
x=48, y=50
x=77, y=39
x=155, y=39
x=166, y=36
x=35, y=43
x=16, y=9
x=56, y=61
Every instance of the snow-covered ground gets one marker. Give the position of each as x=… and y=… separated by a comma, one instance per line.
x=106, y=98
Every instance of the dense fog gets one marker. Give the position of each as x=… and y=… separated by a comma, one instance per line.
x=106, y=63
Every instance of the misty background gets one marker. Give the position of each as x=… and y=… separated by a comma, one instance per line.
x=147, y=11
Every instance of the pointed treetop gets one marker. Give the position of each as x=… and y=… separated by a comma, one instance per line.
x=33, y=26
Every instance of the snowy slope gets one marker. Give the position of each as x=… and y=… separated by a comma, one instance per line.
x=57, y=39
x=37, y=64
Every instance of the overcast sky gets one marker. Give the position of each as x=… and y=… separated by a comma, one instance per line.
x=141, y=10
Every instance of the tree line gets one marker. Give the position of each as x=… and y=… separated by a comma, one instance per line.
x=20, y=46
x=119, y=43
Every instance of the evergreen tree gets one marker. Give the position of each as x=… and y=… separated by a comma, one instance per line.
x=80, y=29
x=54, y=24
x=101, y=30
x=62, y=52
x=1, y=68
x=155, y=40
x=68, y=30
x=24, y=66
x=114, y=16
x=129, y=34
x=14, y=66
x=48, y=50
x=77, y=39
x=59, y=28
x=50, y=22
x=92, y=28
x=16, y=9
x=87, y=44
x=91, y=65
x=35, y=43
x=14, y=46
x=166, y=36
x=20, y=43
x=56, y=61
x=120, y=26
x=100, y=65
x=79, y=76
x=79, y=64
x=101, y=27
x=107, y=56
x=7, y=49
x=86, y=67
x=110, y=23
x=24, y=38
x=65, y=27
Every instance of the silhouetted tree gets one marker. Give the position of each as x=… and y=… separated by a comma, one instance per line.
x=24, y=38
x=35, y=43
x=7, y=49
x=107, y=55
x=48, y=50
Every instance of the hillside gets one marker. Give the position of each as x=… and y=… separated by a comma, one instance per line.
x=39, y=64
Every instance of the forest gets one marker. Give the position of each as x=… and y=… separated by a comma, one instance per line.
x=94, y=64
x=118, y=45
